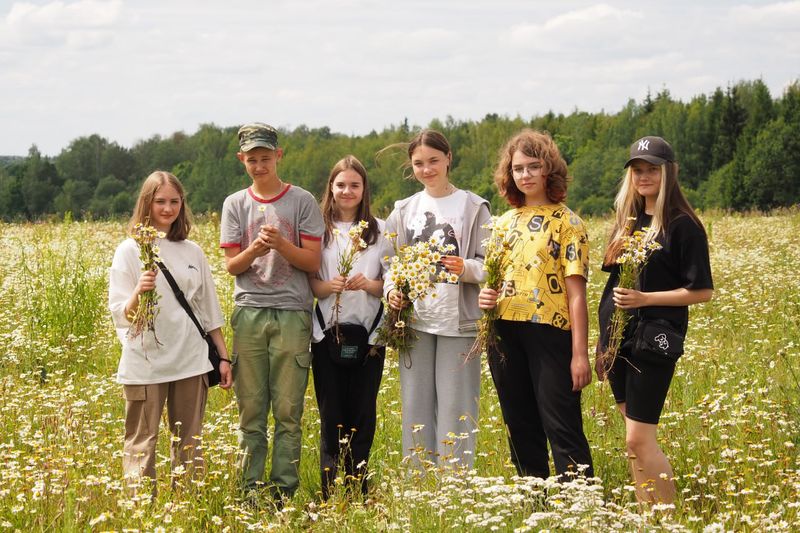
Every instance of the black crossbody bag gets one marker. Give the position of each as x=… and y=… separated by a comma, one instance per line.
x=352, y=347
x=657, y=340
x=214, y=376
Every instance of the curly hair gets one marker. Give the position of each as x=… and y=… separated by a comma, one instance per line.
x=541, y=146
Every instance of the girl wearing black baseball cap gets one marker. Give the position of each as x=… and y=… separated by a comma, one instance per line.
x=676, y=275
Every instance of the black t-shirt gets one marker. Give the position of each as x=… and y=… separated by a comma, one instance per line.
x=682, y=262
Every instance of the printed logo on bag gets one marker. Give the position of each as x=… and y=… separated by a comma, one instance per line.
x=644, y=144
x=662, y=341
x=349, y=352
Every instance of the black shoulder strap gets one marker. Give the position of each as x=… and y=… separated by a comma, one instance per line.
x=375, y=322
x=181, y=298
x=320, y=318
x=377, y=319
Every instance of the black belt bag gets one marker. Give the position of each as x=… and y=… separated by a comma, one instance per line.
x=657, y=340
x=352, y=346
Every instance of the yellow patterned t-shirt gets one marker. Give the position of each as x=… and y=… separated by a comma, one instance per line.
x=548, y=243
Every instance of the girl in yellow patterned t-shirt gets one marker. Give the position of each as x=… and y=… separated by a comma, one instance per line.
x=543, y=324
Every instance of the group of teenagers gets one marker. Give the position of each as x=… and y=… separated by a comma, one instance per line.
x=283, y=248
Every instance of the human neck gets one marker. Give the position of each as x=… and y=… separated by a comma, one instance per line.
x=440, y=191
x=649, y=205
x=536, y=201
x=268, y=189
x=346, y=215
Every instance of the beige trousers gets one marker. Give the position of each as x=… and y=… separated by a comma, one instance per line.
x=186, y=405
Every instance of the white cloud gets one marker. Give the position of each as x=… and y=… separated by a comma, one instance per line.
x=82, y=24
x=128, y=70
x=599, y=26
x=782, y=15
x=428, y=42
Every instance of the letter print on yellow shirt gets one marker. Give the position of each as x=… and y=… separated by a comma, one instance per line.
x=548, y=243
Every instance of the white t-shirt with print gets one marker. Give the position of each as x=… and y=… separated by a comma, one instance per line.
x=442, y=218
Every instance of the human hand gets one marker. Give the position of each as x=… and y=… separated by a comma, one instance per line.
x=629, y=298
x=454, y=264
x=487, y=299
x=272, y=237
x=581, y=374
x=396, y=300
x=356, y=283
x=599, y=363
x=226, y=375
x=258, y=248
x=338, y=284
x=147, y=282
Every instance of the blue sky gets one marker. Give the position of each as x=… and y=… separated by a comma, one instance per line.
x=130, y=69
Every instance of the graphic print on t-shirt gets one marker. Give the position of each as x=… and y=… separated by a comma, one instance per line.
x=548, y=243
x=424, y=226
x=273, y=268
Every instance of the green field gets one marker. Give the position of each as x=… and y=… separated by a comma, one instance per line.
x=730, y=426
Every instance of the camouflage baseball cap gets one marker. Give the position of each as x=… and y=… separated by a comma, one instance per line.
x=257, y=134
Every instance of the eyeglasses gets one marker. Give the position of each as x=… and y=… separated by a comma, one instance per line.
x=532, y=169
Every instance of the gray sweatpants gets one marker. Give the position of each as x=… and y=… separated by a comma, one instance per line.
x=440, y=394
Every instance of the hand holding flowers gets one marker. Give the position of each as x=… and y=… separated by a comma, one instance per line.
x=346, y=259
x=496, y=262
x=414, y=275
x=635, y=253
x=144, y=315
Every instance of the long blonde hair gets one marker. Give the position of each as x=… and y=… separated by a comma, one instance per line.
x=629, y=204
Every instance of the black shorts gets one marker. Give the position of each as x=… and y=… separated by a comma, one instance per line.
x=642, y=384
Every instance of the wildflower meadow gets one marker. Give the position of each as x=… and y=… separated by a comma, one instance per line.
x=730, y=426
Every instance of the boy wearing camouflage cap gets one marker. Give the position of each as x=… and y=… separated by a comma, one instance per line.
x=271, y=234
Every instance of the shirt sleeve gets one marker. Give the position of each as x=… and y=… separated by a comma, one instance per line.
x=473, y=266
x=392, y=223
x=122, y=279
x=230, y=225
x=310, y=224
x=574, y=254
x=692, y=245
x=385, y=247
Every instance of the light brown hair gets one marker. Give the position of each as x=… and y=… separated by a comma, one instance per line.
x=179, y=230
x=541, y=146
x=328, y=206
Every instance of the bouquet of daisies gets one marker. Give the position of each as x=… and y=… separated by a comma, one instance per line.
x=496, y=261
x=346, y=259
x=144, y=318
x=413, y=272
x=635, y=252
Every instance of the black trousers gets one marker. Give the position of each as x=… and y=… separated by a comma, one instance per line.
x=534, y=386
x=346, y=397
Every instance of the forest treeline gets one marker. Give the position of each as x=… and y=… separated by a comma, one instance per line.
x=739, y=149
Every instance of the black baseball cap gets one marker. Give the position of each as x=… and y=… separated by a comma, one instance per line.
x=652, y=149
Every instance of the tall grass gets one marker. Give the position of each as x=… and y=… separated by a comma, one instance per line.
x=730, y=426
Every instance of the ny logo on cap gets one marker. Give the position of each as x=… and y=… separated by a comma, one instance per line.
x=644, y=144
